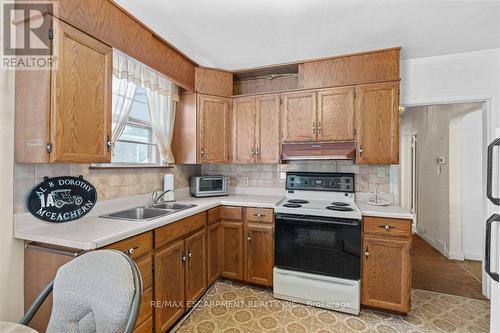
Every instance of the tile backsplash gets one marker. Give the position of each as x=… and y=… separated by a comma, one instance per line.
x=268, y=175
x=110, y=183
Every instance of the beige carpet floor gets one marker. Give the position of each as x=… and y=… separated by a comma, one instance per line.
x=233, y=308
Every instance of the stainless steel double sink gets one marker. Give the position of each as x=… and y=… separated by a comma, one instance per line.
x=149, y=212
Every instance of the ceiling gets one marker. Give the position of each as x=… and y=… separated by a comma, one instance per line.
x=232, y=34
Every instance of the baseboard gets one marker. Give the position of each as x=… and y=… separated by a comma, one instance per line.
x=438, y=245
x=456, y=255
x=471, y=255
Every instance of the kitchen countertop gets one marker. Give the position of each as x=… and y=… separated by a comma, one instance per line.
x=92, y=231
x=391, y=211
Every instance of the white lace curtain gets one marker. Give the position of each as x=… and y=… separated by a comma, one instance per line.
x=162, y=95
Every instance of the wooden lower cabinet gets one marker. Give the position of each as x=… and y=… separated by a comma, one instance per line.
x=259, y=253
x=169, y=285
x=386, y=277
x=145, y=327
x=232, y=249
x=213, y=252
x=196, y=267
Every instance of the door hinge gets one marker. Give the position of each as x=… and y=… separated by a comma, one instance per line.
x=281, y=101
x=49, y=147
x=51, y=33
x=354, y=94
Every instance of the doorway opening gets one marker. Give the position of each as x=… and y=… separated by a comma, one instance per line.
x=441, y=182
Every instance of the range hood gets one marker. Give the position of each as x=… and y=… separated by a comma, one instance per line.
x=345, y=150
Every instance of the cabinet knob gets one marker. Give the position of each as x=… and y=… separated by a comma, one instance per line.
x=360, y=150
x=386, y=227
x=190, y=255
x=367, y=253
x=131, y=250
x=249, y=238
x=183, y=258
x=202, y=153
x=319, y=127
x=257, y=151
x=259, y=215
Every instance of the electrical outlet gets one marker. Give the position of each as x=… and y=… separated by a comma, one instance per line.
x=282, y=175
x=381, y=172
x=245, y=181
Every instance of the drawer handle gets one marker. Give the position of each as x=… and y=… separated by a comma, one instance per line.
x=386, y=227
x=131, y=250
x=259, y=215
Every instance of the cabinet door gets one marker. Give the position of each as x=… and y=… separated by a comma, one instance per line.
x=80, y=121
x=268, y=129
x=196, y=269
x=213, y=252
x=299, y=116
x=381, y=287
x=259, y=250
x=169, y=285
x=232, y=249
x=214, y=129
x=336, y=114
x=377, y=112
x=243, y=130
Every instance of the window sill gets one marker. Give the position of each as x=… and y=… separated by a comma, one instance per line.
x=109, y=166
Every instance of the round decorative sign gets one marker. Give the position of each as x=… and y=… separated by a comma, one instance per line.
x=62, y=199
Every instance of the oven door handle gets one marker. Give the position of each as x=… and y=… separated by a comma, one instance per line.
x=354, y=223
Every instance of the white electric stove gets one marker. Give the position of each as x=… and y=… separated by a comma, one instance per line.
x=318, y=242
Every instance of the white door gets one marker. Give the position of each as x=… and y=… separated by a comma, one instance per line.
x=492, y=239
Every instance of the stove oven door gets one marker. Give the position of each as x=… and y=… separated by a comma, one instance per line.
x=319, y=245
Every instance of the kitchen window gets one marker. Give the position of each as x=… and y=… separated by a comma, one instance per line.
x=136, y=144
x=143, y=114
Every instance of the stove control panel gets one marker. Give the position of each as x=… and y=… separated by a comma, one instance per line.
x=320, y=181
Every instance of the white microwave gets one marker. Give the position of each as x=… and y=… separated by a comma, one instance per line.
x=209, y=186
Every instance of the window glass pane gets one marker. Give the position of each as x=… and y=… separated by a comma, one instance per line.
x=139, y=108
x=136, y=133
x=125, y=152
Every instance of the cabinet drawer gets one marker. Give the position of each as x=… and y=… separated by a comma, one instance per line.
x=145, y=327
x=179, y=229
x=145, y=310
x=260, y=215
x=213, y=215
x=145, y=267
x=135, y=246
x=231, y=213
x=385, y=226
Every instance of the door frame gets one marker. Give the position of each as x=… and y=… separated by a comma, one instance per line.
x=490, y=103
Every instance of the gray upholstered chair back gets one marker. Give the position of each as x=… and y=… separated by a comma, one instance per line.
x=95, y=292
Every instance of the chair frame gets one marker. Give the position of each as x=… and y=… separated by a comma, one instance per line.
x=134, y=309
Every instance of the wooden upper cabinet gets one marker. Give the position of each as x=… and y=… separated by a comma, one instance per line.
x=196, y=268
x=299, y=116
x=213, y=129
x=377, y=121
x=74, y=108
x=336, y=114
x=243, y=128
x=352, y=69
x=255, y=129
x=267, y=138
x=381, y=287
x=213, y=82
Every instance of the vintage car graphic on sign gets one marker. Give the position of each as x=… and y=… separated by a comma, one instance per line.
x=62, y=199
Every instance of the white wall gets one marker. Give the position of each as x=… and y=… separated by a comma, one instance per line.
x=472, y=223
x=431, y=123
x=11, y=251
